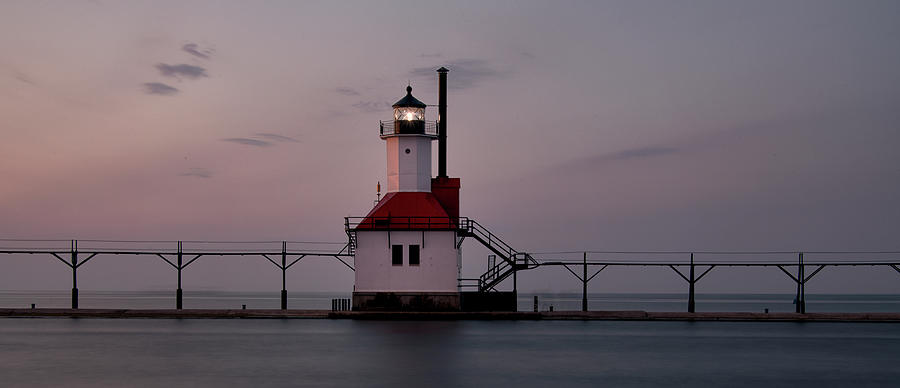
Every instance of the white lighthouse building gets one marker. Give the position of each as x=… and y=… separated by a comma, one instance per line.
x=407, y=254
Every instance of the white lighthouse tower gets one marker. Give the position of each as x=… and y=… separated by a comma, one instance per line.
x=407, y=253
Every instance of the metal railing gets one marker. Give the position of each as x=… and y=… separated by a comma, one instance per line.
x=491, y=240
x=387, y=128
x=405, y=223
x=469, y=284
x=502, y=270
x=693, y=266
x=179, y=254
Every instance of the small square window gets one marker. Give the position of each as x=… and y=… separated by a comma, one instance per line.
x=397, y=254
x=413, y=255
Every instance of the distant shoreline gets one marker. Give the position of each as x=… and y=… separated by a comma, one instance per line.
x=406, y=316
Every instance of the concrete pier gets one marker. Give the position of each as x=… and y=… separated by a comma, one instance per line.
x=399, y=316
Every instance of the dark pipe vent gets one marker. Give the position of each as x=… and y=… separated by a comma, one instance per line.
x=442, y=122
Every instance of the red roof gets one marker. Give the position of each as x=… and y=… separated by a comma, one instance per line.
x=407, y=210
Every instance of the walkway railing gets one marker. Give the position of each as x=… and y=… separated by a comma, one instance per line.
x=799, y=267
x=177, y=255
x=687, y=264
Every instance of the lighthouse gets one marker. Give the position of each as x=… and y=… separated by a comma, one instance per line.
x=407, y=249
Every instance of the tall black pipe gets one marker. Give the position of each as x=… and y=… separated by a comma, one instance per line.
x=442, y=122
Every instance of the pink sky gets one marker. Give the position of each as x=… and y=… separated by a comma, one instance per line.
x=573, y=125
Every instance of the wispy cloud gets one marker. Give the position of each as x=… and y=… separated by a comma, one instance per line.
x=248, y=141
x=22, y=77
x=465, y=73
x=197, y=172
x=640, y=153
x=372, y=106
x=159, y=88
x=619, y=156
x=262, y=139
x=433, y=55
x=277, y=137
x=346, y=91
x=195, y=50
x=182, y=70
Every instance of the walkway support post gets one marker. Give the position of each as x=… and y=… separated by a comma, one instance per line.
x=515, y=273
x=284, y=266
x=284, y=275
x=178, y=292
x=801, y=287
x=692, y=279
x=584, y=282
x=691, y=282
x=74, y=250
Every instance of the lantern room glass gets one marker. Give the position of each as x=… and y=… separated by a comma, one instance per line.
x=409, y=113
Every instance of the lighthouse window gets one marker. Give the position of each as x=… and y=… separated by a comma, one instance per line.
x=409, y=113
x=397, y=254
x=407, y=150
x=413, y=255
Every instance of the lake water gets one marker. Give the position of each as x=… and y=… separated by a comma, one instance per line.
x=560, y=301
x=340, y=353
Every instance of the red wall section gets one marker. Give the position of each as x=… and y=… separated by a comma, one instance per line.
x=446, y=190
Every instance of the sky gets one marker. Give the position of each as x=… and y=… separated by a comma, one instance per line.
x=574, y=125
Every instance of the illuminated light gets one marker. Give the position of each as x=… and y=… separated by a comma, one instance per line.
x=409, y=108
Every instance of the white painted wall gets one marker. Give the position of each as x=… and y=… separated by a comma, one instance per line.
x=437, y=272
x=408, y=171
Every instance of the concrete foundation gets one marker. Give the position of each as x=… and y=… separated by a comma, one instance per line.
x=488, y=301
x=406, y=301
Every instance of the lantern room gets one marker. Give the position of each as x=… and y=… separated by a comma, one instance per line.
x=409, y=119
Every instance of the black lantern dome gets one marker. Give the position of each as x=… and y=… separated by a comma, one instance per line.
x=409, y=114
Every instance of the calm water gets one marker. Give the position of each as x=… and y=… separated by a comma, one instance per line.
x=564, y=301
x=340, y=353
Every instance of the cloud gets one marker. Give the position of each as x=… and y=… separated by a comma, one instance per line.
x=184, y=70
x=465, y=73
x=277, y=137
x=194, y=49
x=22, y=77
x=373, y=106
x=619, y=156
x=248, y=141
x=159, y=88
x=197, y=172
x=262, y=139
x=435, y=55
x=346, y=91
x=639, y=153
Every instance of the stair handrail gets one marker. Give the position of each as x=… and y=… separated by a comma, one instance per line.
x=494, y=271
x=473, y=227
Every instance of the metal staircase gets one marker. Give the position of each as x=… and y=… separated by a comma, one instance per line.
x=351, y=242
x=511, y=260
